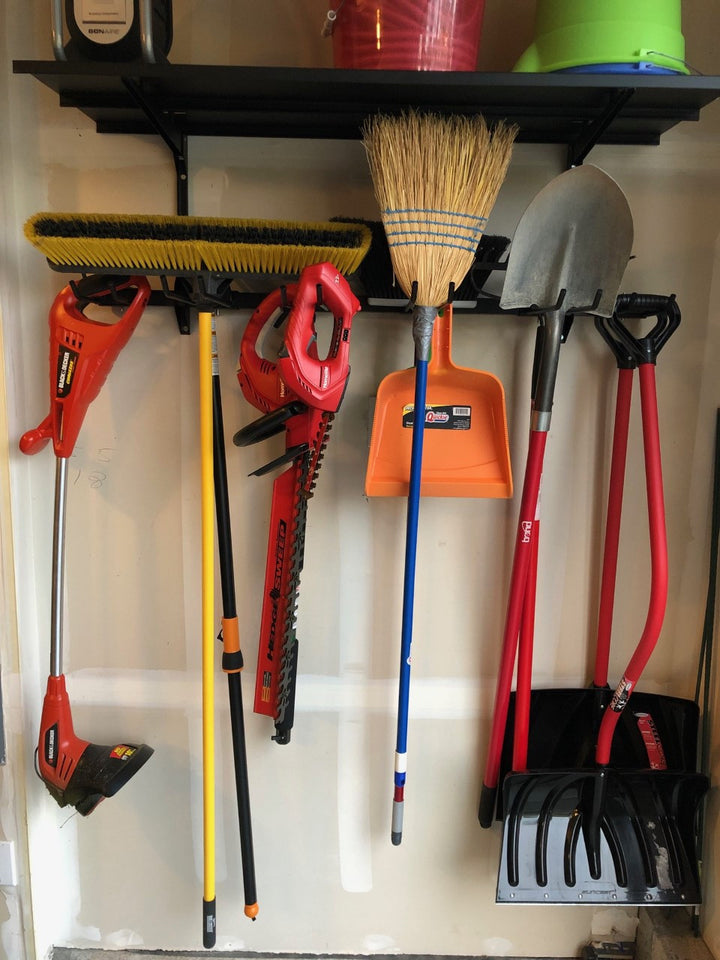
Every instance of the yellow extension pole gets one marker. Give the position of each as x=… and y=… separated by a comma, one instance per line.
x=207, y=496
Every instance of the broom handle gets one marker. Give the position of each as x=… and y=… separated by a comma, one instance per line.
x=422, y=334
x=208, y=624
x=232, y=655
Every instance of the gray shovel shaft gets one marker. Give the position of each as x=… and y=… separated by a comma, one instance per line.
x=547, y=370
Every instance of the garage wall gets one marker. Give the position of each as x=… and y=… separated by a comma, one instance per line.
x=328, y=878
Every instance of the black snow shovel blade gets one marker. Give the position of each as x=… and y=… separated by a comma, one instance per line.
x=573, y=836
x=655, y=732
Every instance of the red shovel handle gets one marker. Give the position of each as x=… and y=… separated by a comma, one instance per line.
x=659, y=564
x=612, y=526
x=516, y=601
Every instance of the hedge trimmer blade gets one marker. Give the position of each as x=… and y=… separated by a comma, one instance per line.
x=300, y=394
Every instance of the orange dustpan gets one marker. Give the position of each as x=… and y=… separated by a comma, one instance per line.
x=466, y=451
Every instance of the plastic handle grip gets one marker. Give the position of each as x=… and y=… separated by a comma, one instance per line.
x=260, y=379
x=82, y=353
x=320, y=383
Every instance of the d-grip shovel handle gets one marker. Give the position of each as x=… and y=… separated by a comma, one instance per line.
x=645, y=350
x=82, y=354
x=630, y=350
x=320, y=383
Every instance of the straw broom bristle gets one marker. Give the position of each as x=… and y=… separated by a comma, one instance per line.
x=436, y=180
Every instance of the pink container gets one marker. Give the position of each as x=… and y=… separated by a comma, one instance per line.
x=407, y=34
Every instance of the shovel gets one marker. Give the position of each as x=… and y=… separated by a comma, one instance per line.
x=466, y=451
x=568, y=256
x=620, y=777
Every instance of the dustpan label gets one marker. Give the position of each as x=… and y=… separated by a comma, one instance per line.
x=439, y=416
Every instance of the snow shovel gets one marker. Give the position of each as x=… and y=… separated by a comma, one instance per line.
x=633, y=799
x=466, y=452
x=567, y=257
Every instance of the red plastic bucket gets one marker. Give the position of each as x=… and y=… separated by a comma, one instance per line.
x=407, y=34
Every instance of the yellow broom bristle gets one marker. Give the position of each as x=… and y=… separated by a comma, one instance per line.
x=195, y=244
x=436, y=180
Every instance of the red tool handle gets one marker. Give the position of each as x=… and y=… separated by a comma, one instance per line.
x=612, y=526
x=259, y=378
x=516, y=601
x=82, y=353
x=320, y=383
x=297, y=372
x=658, y=560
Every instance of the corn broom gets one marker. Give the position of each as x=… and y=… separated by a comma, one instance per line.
x=436, y=180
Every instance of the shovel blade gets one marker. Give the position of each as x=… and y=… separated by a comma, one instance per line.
x=641, y=849
x=654, y=731
x=576, y=235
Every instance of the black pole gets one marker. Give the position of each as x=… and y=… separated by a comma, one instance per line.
x=232, y=658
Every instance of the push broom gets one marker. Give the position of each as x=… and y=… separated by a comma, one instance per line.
x=207, y=253
x=436, y=180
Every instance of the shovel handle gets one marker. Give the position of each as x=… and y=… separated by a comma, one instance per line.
x=612, y=524
x=513, y=619
x=659, y=564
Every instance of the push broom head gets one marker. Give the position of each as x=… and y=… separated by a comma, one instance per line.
x=436, y=180
x=179, y=245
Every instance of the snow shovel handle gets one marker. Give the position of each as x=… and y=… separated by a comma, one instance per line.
x=629, y=351
x=618, y=460
x=659, y=564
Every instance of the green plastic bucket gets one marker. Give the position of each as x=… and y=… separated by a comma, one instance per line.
x=578, y=33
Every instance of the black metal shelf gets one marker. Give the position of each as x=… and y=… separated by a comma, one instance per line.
x=179, y=101
x=192, y=100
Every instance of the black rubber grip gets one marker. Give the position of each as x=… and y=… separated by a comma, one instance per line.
x=486, y=812
x=232, y=662
x=209, y=923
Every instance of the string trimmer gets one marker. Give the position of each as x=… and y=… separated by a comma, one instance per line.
x=82, y=351
x=300, y=393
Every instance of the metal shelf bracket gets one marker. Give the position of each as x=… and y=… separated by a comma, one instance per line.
x=579, y=148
